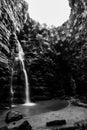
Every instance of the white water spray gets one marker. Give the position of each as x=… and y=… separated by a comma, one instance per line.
x=20, y=57
x=12, y=92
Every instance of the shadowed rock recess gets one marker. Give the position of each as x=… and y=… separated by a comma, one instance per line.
x=55, y=58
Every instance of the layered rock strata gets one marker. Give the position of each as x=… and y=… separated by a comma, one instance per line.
x=55, y=58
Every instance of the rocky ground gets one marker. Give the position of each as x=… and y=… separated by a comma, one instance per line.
x=72, y=114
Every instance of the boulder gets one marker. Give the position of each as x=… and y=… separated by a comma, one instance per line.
x=56, y=123
x=25, y=126
x=13, y=116
x=15, y=120
x=19, y=125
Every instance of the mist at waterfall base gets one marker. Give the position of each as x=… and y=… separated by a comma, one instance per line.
x=20, y=57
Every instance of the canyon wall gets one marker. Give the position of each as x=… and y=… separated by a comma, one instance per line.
x=13, y=15
x=55, y=58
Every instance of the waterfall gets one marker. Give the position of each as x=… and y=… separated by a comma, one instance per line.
x=20, y=56
x=12, y=92
x=26, y=84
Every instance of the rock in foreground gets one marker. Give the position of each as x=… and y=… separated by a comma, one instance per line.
x=13, y=116
x=20, y=125
x=15, y=120
x=56, y=123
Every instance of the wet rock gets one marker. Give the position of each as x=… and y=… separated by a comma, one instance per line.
x=56, y=123
x=25, y=125
x=15, y=120
x=13, y=116
x=19, y=125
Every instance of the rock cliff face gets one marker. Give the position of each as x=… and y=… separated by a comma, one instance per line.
x=76, y=33
x=13, y=15
x=55, y=58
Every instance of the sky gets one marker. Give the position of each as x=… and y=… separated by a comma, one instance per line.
x=51, y=12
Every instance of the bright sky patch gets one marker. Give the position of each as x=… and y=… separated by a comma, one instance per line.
x=51, y=12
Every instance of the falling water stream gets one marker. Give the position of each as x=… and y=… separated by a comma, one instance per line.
x=20, y=56
x=12, y=92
